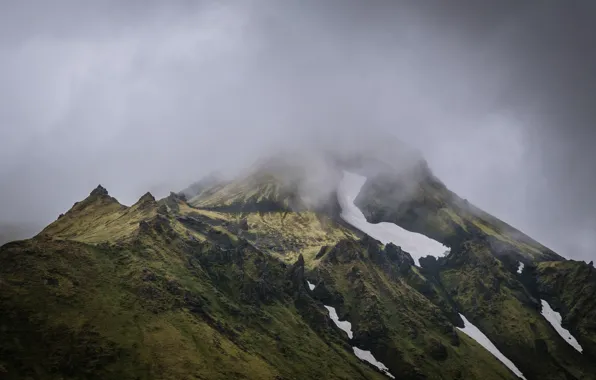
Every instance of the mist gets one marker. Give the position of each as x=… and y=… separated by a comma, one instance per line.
x=151, y=96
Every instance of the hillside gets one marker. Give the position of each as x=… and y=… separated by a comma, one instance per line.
x=256, y=278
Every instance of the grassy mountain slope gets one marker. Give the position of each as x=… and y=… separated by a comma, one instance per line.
x=155, y=303
x=479, y=275
x=272, y=186
x=101, y=218
x=493, y=298
x=403, y=329
x=423, y=204
x=409, y=347
x=570, y=288
x=215, y=288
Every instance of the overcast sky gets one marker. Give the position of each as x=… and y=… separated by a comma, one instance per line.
x=151, y=95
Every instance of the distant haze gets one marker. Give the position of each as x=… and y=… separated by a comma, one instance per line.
x=150, y=96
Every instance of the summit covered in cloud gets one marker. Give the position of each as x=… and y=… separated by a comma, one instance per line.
x=152, y=96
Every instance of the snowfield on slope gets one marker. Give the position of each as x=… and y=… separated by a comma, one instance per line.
x=346, y=326
x=417, y=245
x=555, y=320
x=367, y=356
x=474, y=333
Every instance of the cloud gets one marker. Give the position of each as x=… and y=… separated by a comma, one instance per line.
x=153, y=95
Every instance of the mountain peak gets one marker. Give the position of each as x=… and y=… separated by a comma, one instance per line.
x=99, y=190
x=146, y=202
x=252, y=245
x=177, y=196
x=147, y=197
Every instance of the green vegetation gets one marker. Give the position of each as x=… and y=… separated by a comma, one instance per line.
x=570, y=288
x=215, y=288
x=431, y=209
x=402, y=328
x=152, y=304
x=492, y=298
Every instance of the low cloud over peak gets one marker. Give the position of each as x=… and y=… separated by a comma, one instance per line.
x=150, y=96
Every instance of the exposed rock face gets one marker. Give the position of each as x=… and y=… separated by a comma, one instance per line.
x=98, y=191
x=147, y=198
x=344, y=252
x=180, y=196
x=296, y=275
x=429, y=263
x=243, y=225
x=395, y=254
x=158, y=225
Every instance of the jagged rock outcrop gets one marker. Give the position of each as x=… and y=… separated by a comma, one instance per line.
x=99, y=191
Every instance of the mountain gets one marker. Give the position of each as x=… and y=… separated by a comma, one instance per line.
x=292, y=271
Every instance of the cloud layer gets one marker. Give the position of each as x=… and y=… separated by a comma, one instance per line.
x=152, y=95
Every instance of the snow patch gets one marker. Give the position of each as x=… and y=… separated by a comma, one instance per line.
x=555, y=319
x=367, y=356
x=474, y=333
x=347, y=327
x=344, y=325
x=520, y=268
x=417, y=245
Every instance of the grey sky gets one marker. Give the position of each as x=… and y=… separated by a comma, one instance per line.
x=151, y=95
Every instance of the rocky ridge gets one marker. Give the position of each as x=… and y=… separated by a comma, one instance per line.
x=216, y=285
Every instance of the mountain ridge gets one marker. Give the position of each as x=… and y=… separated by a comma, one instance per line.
x=217, y=285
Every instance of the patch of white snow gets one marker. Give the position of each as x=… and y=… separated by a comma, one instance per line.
x=344, y=325
x=347, y=327
x=520, y=268
x=474, y=333
x=555, y=319
x=367, y=356
x=417, y=245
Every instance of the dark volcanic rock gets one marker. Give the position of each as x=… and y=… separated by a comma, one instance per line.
x=296, y=271
x=99, y=190
x=322, y=252
x=147, y=197
x=296, y=275
x=344, y=251
x=398, y=256
x=146, y=201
